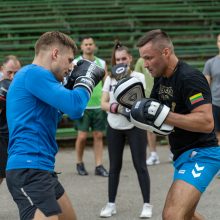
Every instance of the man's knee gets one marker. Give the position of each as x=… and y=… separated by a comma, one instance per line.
x=172, y=214
x=169, y=214
x=97, y=135
x=81, y=136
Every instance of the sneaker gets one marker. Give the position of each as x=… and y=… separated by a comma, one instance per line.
x=170, y=158
x=153, y=160
x=146, y=211
x=81, y=169
x=108, y=210
x=101, y=171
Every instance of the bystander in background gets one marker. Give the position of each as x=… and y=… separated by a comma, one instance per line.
x=94, y=118
x=119, y=131
x=212, y=73
x=9, y=67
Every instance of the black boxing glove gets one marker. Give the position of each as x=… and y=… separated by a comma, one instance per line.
x=149, y=114
x=4, y=85
x=86, y=74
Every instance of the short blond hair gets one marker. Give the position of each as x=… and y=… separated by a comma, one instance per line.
x=55, y=37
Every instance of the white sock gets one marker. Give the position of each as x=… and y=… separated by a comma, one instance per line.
x=154, y=154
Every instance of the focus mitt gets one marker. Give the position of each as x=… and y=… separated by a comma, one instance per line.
x=149, y=114
x=129, y=90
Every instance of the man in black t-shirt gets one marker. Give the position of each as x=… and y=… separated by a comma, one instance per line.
x=193, y=142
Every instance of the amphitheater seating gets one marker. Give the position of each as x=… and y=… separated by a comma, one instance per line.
x=189, y=23
x=192, y=24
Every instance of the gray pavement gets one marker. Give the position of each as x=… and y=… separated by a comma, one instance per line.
x=89, y=193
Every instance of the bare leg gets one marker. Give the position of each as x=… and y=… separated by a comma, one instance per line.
x=181, y=202
x=1, y=180
x=40, y=216
x=151, y=137
x=197, y=216
x=98, y=147
x=153, y=158
x=66, y=207
x=80, y=145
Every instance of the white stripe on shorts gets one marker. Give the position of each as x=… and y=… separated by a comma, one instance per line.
x=26, y=195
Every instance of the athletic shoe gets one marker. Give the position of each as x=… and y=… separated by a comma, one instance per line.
x=81, y=169
x=146, y=211
x=101, y=171
x=171, y=157
x=108, y=210
x=153, y=160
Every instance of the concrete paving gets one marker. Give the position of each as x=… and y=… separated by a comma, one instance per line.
x=89, y=193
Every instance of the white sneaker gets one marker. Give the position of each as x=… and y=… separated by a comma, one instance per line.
x=146, y=211
x=108, y=210
x=153, y=160
x=170, y=157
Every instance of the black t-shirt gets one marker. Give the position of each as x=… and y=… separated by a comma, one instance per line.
x=185, y=90
x=3, y=121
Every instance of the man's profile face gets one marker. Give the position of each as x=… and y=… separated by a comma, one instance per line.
x=88, y=46
x=154, y=59
x=10, y=68
x=63, y=62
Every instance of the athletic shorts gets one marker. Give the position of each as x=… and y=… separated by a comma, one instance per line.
x=216, y=115
x=34, y=189
x=94, y=119
x=198, y=166
x=3, y=156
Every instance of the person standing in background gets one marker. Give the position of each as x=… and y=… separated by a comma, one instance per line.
x=212, y=73
x=10, y=66
x=94, y=117
x=119, y=130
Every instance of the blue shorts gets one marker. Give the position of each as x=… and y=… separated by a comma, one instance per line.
x=198, y=166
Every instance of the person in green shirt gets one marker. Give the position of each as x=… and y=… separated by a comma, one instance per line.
x=94, y=117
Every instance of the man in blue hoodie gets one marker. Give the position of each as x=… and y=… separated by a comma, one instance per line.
x=35, y=101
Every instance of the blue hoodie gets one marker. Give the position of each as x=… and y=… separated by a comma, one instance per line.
x=34, y=102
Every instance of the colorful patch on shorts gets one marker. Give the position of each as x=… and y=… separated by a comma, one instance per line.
x=196, y=98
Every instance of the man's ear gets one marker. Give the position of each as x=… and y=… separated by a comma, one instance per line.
x=55, y=53
x=166, y=51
